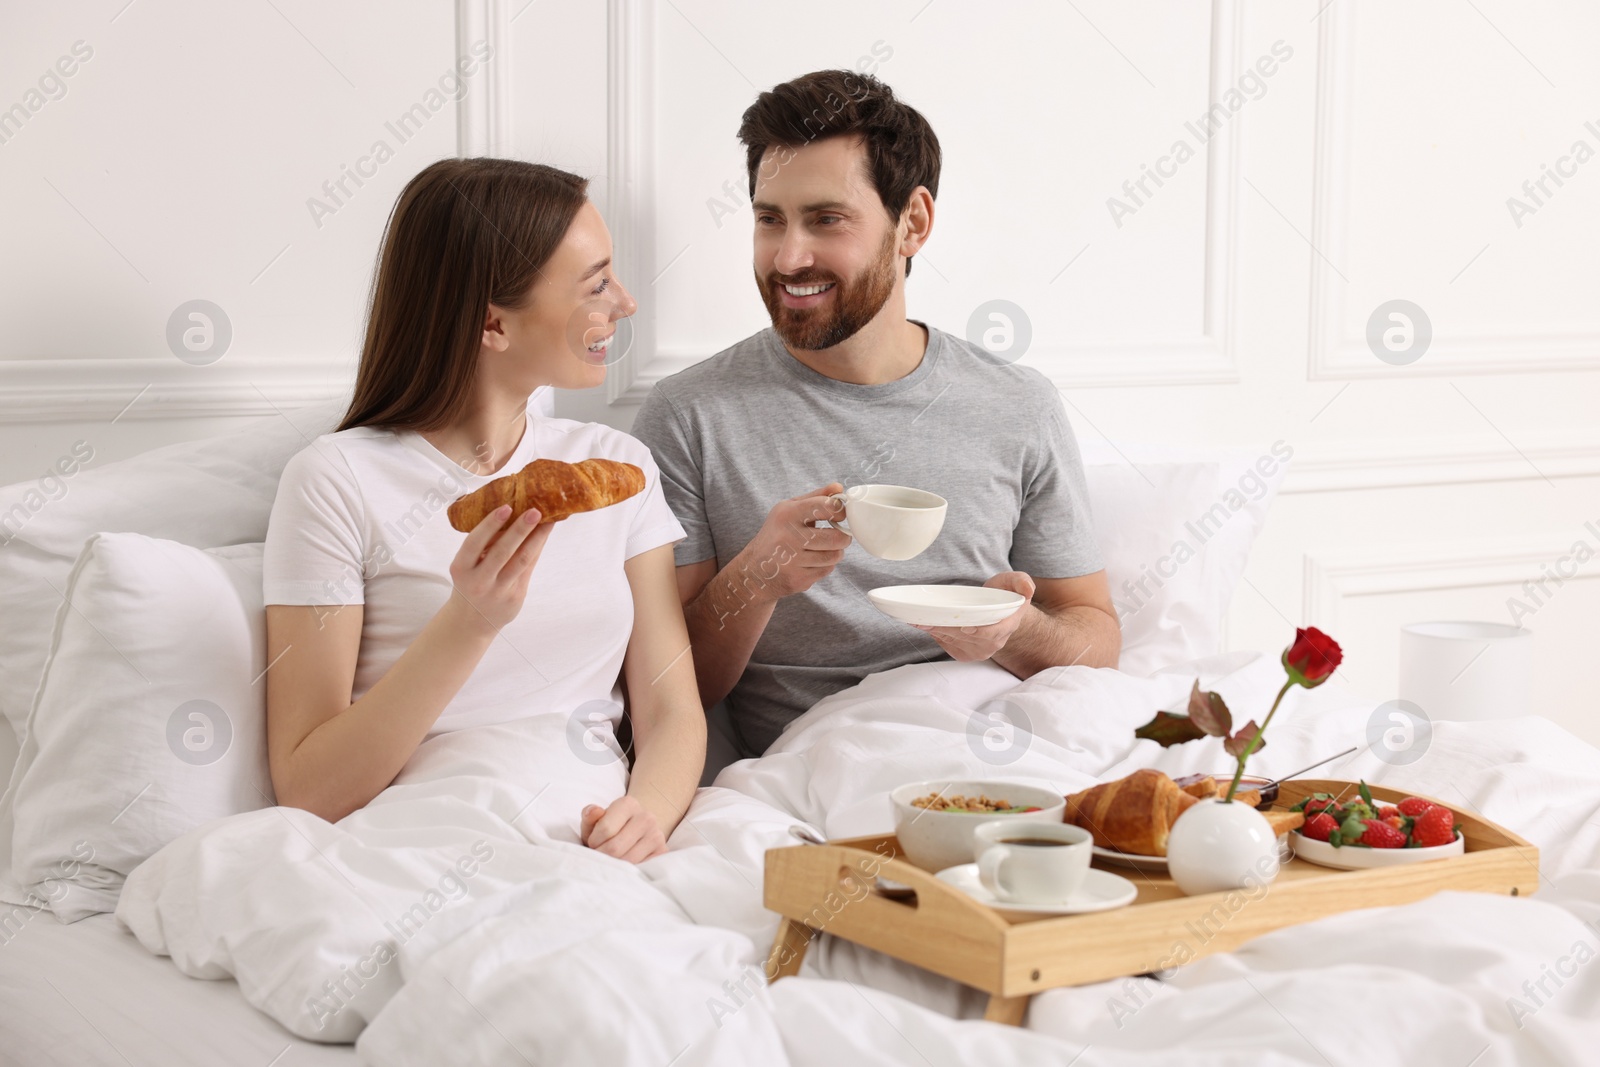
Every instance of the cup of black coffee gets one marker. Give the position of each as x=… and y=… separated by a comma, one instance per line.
x=1032, y=863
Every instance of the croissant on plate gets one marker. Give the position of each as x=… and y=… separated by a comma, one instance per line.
x=1135, y=814
x=1132, y=814
x=557, y=489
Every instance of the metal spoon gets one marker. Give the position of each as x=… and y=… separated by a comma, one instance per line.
x=1314, y=766
x=887, y=886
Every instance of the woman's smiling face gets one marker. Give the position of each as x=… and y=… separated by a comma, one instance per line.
x=566, y=330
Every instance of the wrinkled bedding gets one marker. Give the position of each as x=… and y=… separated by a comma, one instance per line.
x=457, y=919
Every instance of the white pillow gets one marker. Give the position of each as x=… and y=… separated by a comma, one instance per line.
x=150, y=718
x=1175, y=527
x=214, y=491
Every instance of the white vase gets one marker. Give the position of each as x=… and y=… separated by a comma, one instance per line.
x=1217, y=846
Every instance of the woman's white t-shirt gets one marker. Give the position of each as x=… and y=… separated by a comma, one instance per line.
x=360, y=518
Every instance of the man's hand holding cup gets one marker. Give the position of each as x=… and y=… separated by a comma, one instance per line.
x=790, y=553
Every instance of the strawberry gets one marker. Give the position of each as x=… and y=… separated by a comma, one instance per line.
x=1388, y=811
x=1361, y=808
x=1316, y=804
x=1436, y=826
x=1382, y=835
x=1319, y=826
x=1413, y=806
x=1396, y=821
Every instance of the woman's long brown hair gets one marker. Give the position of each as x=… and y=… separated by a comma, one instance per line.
x=464, y=233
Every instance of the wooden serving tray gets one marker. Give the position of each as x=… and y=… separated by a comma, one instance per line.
x=831, y=889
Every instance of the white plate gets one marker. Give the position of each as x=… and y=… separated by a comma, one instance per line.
x=1157, y=864
x=1101, y=891
x=946, y=605
x=1358, y=858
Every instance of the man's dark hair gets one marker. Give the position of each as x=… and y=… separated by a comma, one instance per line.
x=902, y=151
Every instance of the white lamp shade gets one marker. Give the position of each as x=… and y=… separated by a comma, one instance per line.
x=1467, y=670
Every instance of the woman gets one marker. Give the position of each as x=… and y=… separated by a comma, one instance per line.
x=384, y=626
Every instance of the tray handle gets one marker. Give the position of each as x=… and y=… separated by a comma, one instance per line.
x=818, y=870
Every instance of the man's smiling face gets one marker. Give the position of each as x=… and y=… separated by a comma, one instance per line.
x=826, y=251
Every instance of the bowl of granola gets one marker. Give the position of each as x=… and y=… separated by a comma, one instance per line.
x=935, y=820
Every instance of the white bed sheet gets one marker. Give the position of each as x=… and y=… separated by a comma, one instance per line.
x=88, y=994
x=545, y=940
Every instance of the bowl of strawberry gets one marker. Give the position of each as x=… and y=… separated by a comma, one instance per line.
x=1358, y=833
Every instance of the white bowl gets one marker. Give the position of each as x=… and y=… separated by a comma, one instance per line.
x=946, y=605
x=1358, y=858
x=934, y=840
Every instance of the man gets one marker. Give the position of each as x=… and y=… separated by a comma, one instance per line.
x=842, y=178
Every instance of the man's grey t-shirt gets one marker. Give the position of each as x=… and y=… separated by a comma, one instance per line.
x=735, y=434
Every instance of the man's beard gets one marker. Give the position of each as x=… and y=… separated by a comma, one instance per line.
x=853, y=306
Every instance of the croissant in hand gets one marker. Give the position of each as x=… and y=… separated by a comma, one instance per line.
x=557, y=489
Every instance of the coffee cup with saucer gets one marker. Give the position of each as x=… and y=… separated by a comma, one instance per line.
x=1038, y=869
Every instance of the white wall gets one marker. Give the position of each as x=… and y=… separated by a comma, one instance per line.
x=1374, y=163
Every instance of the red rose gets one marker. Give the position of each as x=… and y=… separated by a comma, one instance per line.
x=1312, y=658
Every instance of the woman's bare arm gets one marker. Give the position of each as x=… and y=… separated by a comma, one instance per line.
x=330, y=756
x=669, y=723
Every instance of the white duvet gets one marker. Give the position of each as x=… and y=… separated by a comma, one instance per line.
x=457, y=920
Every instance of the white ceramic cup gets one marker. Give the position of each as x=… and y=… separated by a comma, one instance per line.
x=892, y=522
x=1032, y=874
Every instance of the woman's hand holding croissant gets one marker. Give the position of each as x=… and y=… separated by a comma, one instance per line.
x=490, y=573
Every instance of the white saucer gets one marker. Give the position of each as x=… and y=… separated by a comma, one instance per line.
x=946, y=605
x=1101, y=891
x=1156, y=864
